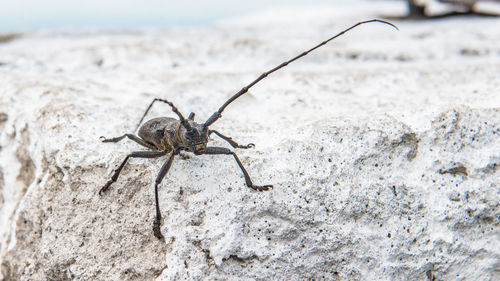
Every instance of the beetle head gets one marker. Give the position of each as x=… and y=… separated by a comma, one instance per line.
x=195, y=137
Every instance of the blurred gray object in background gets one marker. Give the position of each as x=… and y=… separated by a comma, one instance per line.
x=441, y=8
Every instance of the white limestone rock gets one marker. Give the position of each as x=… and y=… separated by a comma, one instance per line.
x=383, y=149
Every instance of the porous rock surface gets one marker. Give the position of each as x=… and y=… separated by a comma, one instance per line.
x=383, y=149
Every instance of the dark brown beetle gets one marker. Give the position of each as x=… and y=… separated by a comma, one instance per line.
x=169, y=136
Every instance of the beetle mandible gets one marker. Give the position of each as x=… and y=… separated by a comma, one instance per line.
x=169, y=136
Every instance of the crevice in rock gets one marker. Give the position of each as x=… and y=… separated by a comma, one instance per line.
x=159, y=272
x=410, y=140
x=238, y=259
x=27, y=170
x=206, y=252
x=457, y=170
x=27, y=233
x=430, y=275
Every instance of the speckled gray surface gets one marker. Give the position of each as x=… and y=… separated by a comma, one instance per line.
x=383, y=149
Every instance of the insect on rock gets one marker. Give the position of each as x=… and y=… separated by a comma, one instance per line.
x=165, y=136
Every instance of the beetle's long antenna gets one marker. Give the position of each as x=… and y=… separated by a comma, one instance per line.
x=218, y=113
x=184, y=123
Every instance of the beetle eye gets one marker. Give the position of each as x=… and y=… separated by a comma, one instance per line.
x=191, y=133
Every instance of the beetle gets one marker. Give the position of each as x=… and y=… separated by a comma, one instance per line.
x=169, y=136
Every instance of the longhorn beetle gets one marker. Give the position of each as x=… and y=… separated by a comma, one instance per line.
x=169, y=136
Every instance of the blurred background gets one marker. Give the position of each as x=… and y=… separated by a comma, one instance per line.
x=27, y=15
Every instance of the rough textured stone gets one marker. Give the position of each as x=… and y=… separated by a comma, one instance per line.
x=383, y=149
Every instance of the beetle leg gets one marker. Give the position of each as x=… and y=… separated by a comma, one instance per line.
x=163, y=171
x=132, y=137
x=223, y=150
x=184, y=156
x=174, y=109
x=136, y=154
x=230, y=140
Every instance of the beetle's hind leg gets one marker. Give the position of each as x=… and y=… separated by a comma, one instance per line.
x=230, y=140
x=136, y=154
x=130, y=136
x=223, y=150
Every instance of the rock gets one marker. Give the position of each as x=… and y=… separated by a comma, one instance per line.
x=383, y=167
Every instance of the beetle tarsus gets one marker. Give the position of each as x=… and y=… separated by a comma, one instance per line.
x=156, y=229
x=117, y=139
x=105, y=187
x=230, y=140
x=261, y=188
x=250, y=145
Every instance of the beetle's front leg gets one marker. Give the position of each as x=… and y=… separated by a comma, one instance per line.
x=163, y=171
x=130, y=136
x=230, y=140
x=223, y=150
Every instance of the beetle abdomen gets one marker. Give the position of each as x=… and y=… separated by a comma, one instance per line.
x=159, y=132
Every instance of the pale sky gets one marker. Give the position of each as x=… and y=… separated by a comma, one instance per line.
x=22, y=15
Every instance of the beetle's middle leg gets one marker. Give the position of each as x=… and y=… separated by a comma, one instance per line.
x=223, y=150
x=230, y=140
x=132, y=137
x=136, y=154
